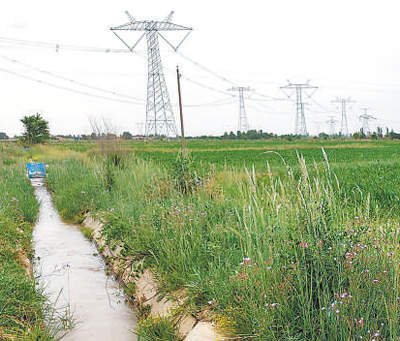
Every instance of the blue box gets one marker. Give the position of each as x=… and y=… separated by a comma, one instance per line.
x=36, y=170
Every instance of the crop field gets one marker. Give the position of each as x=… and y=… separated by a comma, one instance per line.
x=270, y=240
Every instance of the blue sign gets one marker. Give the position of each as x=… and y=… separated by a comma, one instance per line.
x=36, y=170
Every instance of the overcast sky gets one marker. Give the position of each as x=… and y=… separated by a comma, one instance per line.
x=345, y=47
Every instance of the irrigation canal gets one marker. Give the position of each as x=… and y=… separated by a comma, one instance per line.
x=75, y=280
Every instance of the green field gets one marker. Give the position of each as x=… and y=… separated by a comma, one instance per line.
x=300, y=243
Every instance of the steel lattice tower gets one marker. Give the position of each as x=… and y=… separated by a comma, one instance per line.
x=344, y=128
x=159, y=115
x=332, y=123
x=243, y=124
x=300, y=127
x=365, y=121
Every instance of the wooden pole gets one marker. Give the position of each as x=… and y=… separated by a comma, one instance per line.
x=178, y=76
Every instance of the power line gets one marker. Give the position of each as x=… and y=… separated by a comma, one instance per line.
x=318, y=104
x=71, y=80
x=66, y=88
x=212, y=104
x=209, y=104
x=207, y=69
x=224, y=79
x=58, y=47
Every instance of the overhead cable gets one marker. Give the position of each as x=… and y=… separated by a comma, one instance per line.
x=207, y=69
x=71, y=80
x=58, y=47
x=67, y=88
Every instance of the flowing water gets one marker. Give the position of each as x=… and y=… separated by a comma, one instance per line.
x=74, y=277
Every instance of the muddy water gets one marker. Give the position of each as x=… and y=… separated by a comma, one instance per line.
x=74, y=278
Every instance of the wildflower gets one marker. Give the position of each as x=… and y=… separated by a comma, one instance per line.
x=83, y=192
x=337, y=311
x=246, y=261
x=111, y=209
x=303, y=244
x=323, y=308
x=15, y=199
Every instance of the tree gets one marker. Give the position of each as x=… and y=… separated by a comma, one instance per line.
x=3, y=136
x=126, y=135
x=36, y=129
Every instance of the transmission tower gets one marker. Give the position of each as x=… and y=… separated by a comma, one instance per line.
x=331, y=123
x=344, y=128
x=365, y=121
x=159, y=116
x=243, y=124
x=318, y=125
x=300, y=127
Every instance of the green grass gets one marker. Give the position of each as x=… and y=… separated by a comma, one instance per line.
x=22, y=308
x=300, y=251
x=25, y=313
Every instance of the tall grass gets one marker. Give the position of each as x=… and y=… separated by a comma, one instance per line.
x=24, y=311
x=298, y=257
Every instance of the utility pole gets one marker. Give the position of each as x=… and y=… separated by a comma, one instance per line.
x=365, y=121
x=243, y=124
x=159, y=116
x=344, y=128
x=332, y=123
x=300, y=124
x=178, y=76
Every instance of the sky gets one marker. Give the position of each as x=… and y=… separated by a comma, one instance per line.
x=346, y=48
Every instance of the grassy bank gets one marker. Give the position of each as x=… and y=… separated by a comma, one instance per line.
x=308, y=253
x=21, y=306
x=24, y=312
